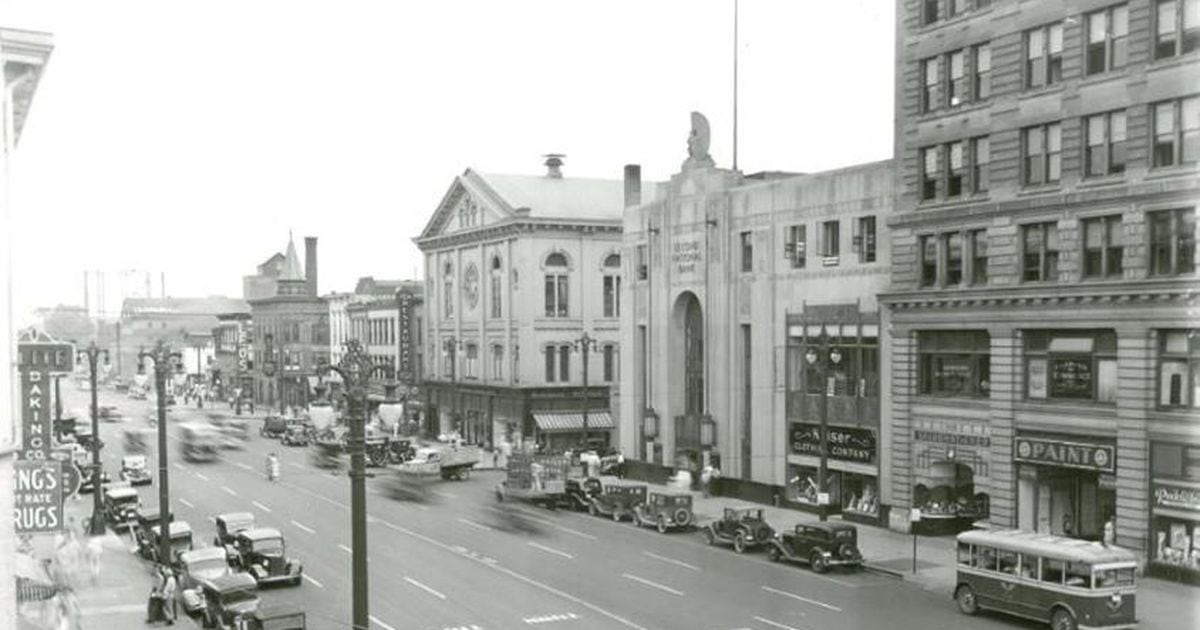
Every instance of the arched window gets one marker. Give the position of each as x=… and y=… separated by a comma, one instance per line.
x=556, y=285
x=448, y=289
x=612, y=285
x=497, y=296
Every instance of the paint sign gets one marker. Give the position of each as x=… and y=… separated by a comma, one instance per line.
x=35, y=415
x=37, y=496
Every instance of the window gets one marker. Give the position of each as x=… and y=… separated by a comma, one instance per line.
x=929, y=260
x=1179, y=368
x=551, y=363
x=977, y=241
x=1104, y=146
x=643, y=263
x=1177, y=132
x=1172, y=241
x=794, y=249
x=954, y=363
x=958, y=78
x=955, y=7
x=610, y=363
x=612, y=286
x=1102, y=246
x=982, y=75
x=1041, y=154
x=564, y=364
x=497, y=294
x=929, y=173
x=448, y=289
x=516, y=364
x=1177, y=32
x=929, y=12
x=747, y=240
x=497, y=362
x=556, y=285
x=981, y=154
x=1071, y=364
x=864, y=239
x=930, y=98
x=954, y=258
x=1107, y=39
x=1043, y=55
x=471, y=366
x=448, y=358
x=954, y=169
x=1040, y=252
x=830, y=247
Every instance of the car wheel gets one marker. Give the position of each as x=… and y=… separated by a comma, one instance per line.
x=637, y=519
x=616, y=515
x=965, y=596
x=709, y=537
x=592, y=510
x=818, y=562
x=773, y=553
x=662, y=525
x=739, y=542
x=464, y=474
x=1062, y=619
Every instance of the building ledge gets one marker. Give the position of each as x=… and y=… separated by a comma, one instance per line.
x=1183, y=289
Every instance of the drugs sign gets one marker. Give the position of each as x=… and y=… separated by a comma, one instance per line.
x=37, y=496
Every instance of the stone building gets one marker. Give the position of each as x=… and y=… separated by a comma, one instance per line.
x=185, y=324
x=731, y=279
x=517, y=269
x=233, y=362
x=1043, y=309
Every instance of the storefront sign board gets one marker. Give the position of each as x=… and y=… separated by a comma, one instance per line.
x=1100, y=457
x=1177, y=497
x=957, y=439
x=37, y=496
x=845, y=443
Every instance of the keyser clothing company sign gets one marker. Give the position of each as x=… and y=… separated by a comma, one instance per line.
x=1101, y=457
x=37, y=496
x=35, y=416
x=845, y=443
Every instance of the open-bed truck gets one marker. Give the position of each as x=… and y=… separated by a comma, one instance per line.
x=538, y=479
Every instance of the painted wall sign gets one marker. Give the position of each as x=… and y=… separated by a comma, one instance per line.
x=1099, y=457
x=958, y=439
x=37, y=496
x=686, y=256
x=845, y=443
x=35, y=415
x=1177, y=497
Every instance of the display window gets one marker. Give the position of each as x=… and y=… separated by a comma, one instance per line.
x=1176, y=543
x=1071, y=365
x=802, y=485
x=860, y=494
x=954, y=363
x=949, y=491
x=1179, y=368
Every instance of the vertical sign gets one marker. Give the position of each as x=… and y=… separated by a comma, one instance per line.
x=37, y=496
x=405, y=373
x=35, y=416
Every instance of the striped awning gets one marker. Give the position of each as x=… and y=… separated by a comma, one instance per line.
x=572, y=421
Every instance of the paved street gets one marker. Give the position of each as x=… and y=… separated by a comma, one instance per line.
x=449, y=564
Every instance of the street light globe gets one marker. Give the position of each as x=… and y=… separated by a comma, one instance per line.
x=322, y=415
x=835, y=355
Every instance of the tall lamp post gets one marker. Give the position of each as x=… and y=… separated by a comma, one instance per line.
x=585, y=344
x=356, y=371
x=92, y=354
x=165, y=363
x=824, y=359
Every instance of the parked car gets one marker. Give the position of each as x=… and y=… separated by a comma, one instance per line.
x=665, y=511
x=273, y=427
x=228, y=527
x=85, y=482
x=744, y=529
x=120, y=506
x=296, y=435
x=261, y=551
x=196, y=567
x=579, y=493
x=228, y=597
x=821, y=545
x=143, y=521
x=181, y=541
x=617, y=501
x=134, y=471
x=274, y=618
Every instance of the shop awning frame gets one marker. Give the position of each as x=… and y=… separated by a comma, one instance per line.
x=570, y=421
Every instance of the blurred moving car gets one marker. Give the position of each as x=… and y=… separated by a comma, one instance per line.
x=273, y=427
x=134, y=471
x=108, y=413
x=296, y=435
x=198, y=442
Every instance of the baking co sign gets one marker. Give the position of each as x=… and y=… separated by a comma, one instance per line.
x=1101, y=457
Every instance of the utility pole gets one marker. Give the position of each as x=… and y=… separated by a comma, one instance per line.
x=165, y=363
x=92, y=354
x=585, y=344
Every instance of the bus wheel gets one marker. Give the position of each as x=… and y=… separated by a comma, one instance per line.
x=965, y=597
x=1062, y=619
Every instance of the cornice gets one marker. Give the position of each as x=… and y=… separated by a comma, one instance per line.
x=508, y=228
x=1167, y=292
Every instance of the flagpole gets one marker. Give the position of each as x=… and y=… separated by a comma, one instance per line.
x=735, y=83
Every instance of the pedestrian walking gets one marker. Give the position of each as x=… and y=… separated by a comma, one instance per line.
x=706, y=479
x=95, y=551
x=170, y=610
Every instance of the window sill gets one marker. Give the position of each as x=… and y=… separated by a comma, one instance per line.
x=970, y=401
x=1182, y=413
x=951, y=202
x=953, y=110
x=1038, y=404
x=1175, y=170
x=1167, y=63
x=1030, y=190
x=957, y=19
x=1041, y=90
x=1101, y=181
x=1112, y=74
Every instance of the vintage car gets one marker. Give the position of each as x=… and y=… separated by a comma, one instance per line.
x=226, y=598
x=231, y=432
x=273, y=427
x=195, y=568
x=198, y=442
x=146, y=518
x=120, y=506
x=261, y=552
x=617, y=501
x=296, y=435
x=821, y=545
x=274, y=618
x=138, y=439
x=85, y=482
x=181, y=541
x=579, y=493
x=137, y=393
x=664, y=511
x=744, y=528
x=133, y=470
x=108, y=413
x=228, y=527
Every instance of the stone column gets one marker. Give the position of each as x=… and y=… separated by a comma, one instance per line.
x=1007, y=382
x=1135, y=394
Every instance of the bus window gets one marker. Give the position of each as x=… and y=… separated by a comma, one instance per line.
x=964, y=553
x=985, y=558
x=1007, y=562
x=1114, y=577
x=1053, y=570
x=1078, y=574
x=1029, y=566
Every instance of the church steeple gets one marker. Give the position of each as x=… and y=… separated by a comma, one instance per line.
x=291, y=262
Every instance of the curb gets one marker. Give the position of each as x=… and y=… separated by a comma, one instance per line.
x=886, y=571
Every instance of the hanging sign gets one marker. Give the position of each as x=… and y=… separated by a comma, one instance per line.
x=35, y=415
x=1100, y=457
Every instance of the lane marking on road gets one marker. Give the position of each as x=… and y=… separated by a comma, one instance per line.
x=261, y=507
x=242, y=466
x=802, y=599
x=202, y=477
x=346, y=549
x=379, y=622
x=303, y=527
x=651, y=583
x=775, y=624
x=229, y=491
x=179, y=466
x=474, y=524
x=445, y=495
x=314, y=582
x=424, y=587
x=671, y=560
x=550, y=618
x=187, y=503
x=551, y=550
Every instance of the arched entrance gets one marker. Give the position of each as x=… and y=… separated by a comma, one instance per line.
x=687, y=350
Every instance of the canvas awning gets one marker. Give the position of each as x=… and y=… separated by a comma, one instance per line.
x=572, y=421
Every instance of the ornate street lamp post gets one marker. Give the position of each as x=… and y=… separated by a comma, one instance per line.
x=356, y=371
x=585, y=344
x=823, y=358
x=166, y=362
x=92, y=354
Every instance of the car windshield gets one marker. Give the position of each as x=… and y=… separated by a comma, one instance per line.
x=269, y=545
x=844, y=534
x=238, y=596
x=124, y=500
x=208, y=568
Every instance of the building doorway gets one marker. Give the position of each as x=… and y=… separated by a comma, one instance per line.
x=687, y=350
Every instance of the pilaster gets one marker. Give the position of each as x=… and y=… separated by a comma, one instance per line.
x=1135, y=394
x=1007, y=379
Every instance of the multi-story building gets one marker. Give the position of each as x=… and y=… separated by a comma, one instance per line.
x=233, y=356
x=291, y=333
x=732, y=279
x=1043, y=308
x=183, y=323
x=517, y=269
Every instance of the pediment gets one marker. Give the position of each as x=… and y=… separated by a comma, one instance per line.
x=468, y=204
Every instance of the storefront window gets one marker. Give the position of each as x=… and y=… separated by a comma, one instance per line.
x=859, y=494
x=802, y=485
x=1071, y=365
x=954, y=363
x=1179, y=368
x=949, y=491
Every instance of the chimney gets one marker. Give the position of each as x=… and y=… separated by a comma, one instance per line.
x=310, y=264
x=162, y=284
x=554, y=165
x=633, y=185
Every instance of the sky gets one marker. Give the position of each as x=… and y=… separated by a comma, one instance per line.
x=188, y=138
